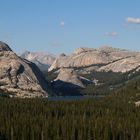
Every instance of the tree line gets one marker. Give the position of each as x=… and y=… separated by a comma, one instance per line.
x=109, y=118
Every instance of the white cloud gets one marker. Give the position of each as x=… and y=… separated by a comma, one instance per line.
x=111, y=34
x=133, y=20
x=62, y=23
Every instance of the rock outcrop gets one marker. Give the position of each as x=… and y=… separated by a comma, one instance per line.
x=69, y=83
x=104, y=58
x=41, y=59
x=69, y=76
x=19, y=77
x=123, y=65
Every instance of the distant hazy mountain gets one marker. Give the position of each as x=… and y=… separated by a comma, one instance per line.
x=41, y=59
x=20, y=77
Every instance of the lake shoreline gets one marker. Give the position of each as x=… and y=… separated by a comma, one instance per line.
x=71, y=98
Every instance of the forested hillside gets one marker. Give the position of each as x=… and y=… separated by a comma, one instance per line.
x=114, y=117
x=131, y=90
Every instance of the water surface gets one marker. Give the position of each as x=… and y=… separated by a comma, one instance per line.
x=71, y=98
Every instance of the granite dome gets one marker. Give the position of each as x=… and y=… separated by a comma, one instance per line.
x=4, y=47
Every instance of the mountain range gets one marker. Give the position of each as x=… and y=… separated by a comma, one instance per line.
x=41, y=59
x=87, y=71
x=94, y=71
x=100, y=59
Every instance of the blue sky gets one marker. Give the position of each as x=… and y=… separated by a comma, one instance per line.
x=57, y=26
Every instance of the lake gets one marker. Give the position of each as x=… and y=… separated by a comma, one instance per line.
x=66, y=98
x=71, y=98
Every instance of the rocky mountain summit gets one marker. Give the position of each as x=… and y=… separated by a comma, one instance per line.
x=41, y=59
x=68, y=82
x=69, y=76
x=100, y=59
x=19, y=77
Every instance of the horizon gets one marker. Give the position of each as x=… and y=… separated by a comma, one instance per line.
x=53, y=54
x=62, y=26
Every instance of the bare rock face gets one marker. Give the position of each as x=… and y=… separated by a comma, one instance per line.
x=123, y=65
x=106, y=58
x=41, y=59
x=20, y=77
x=4, y=47
x=69, y=76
